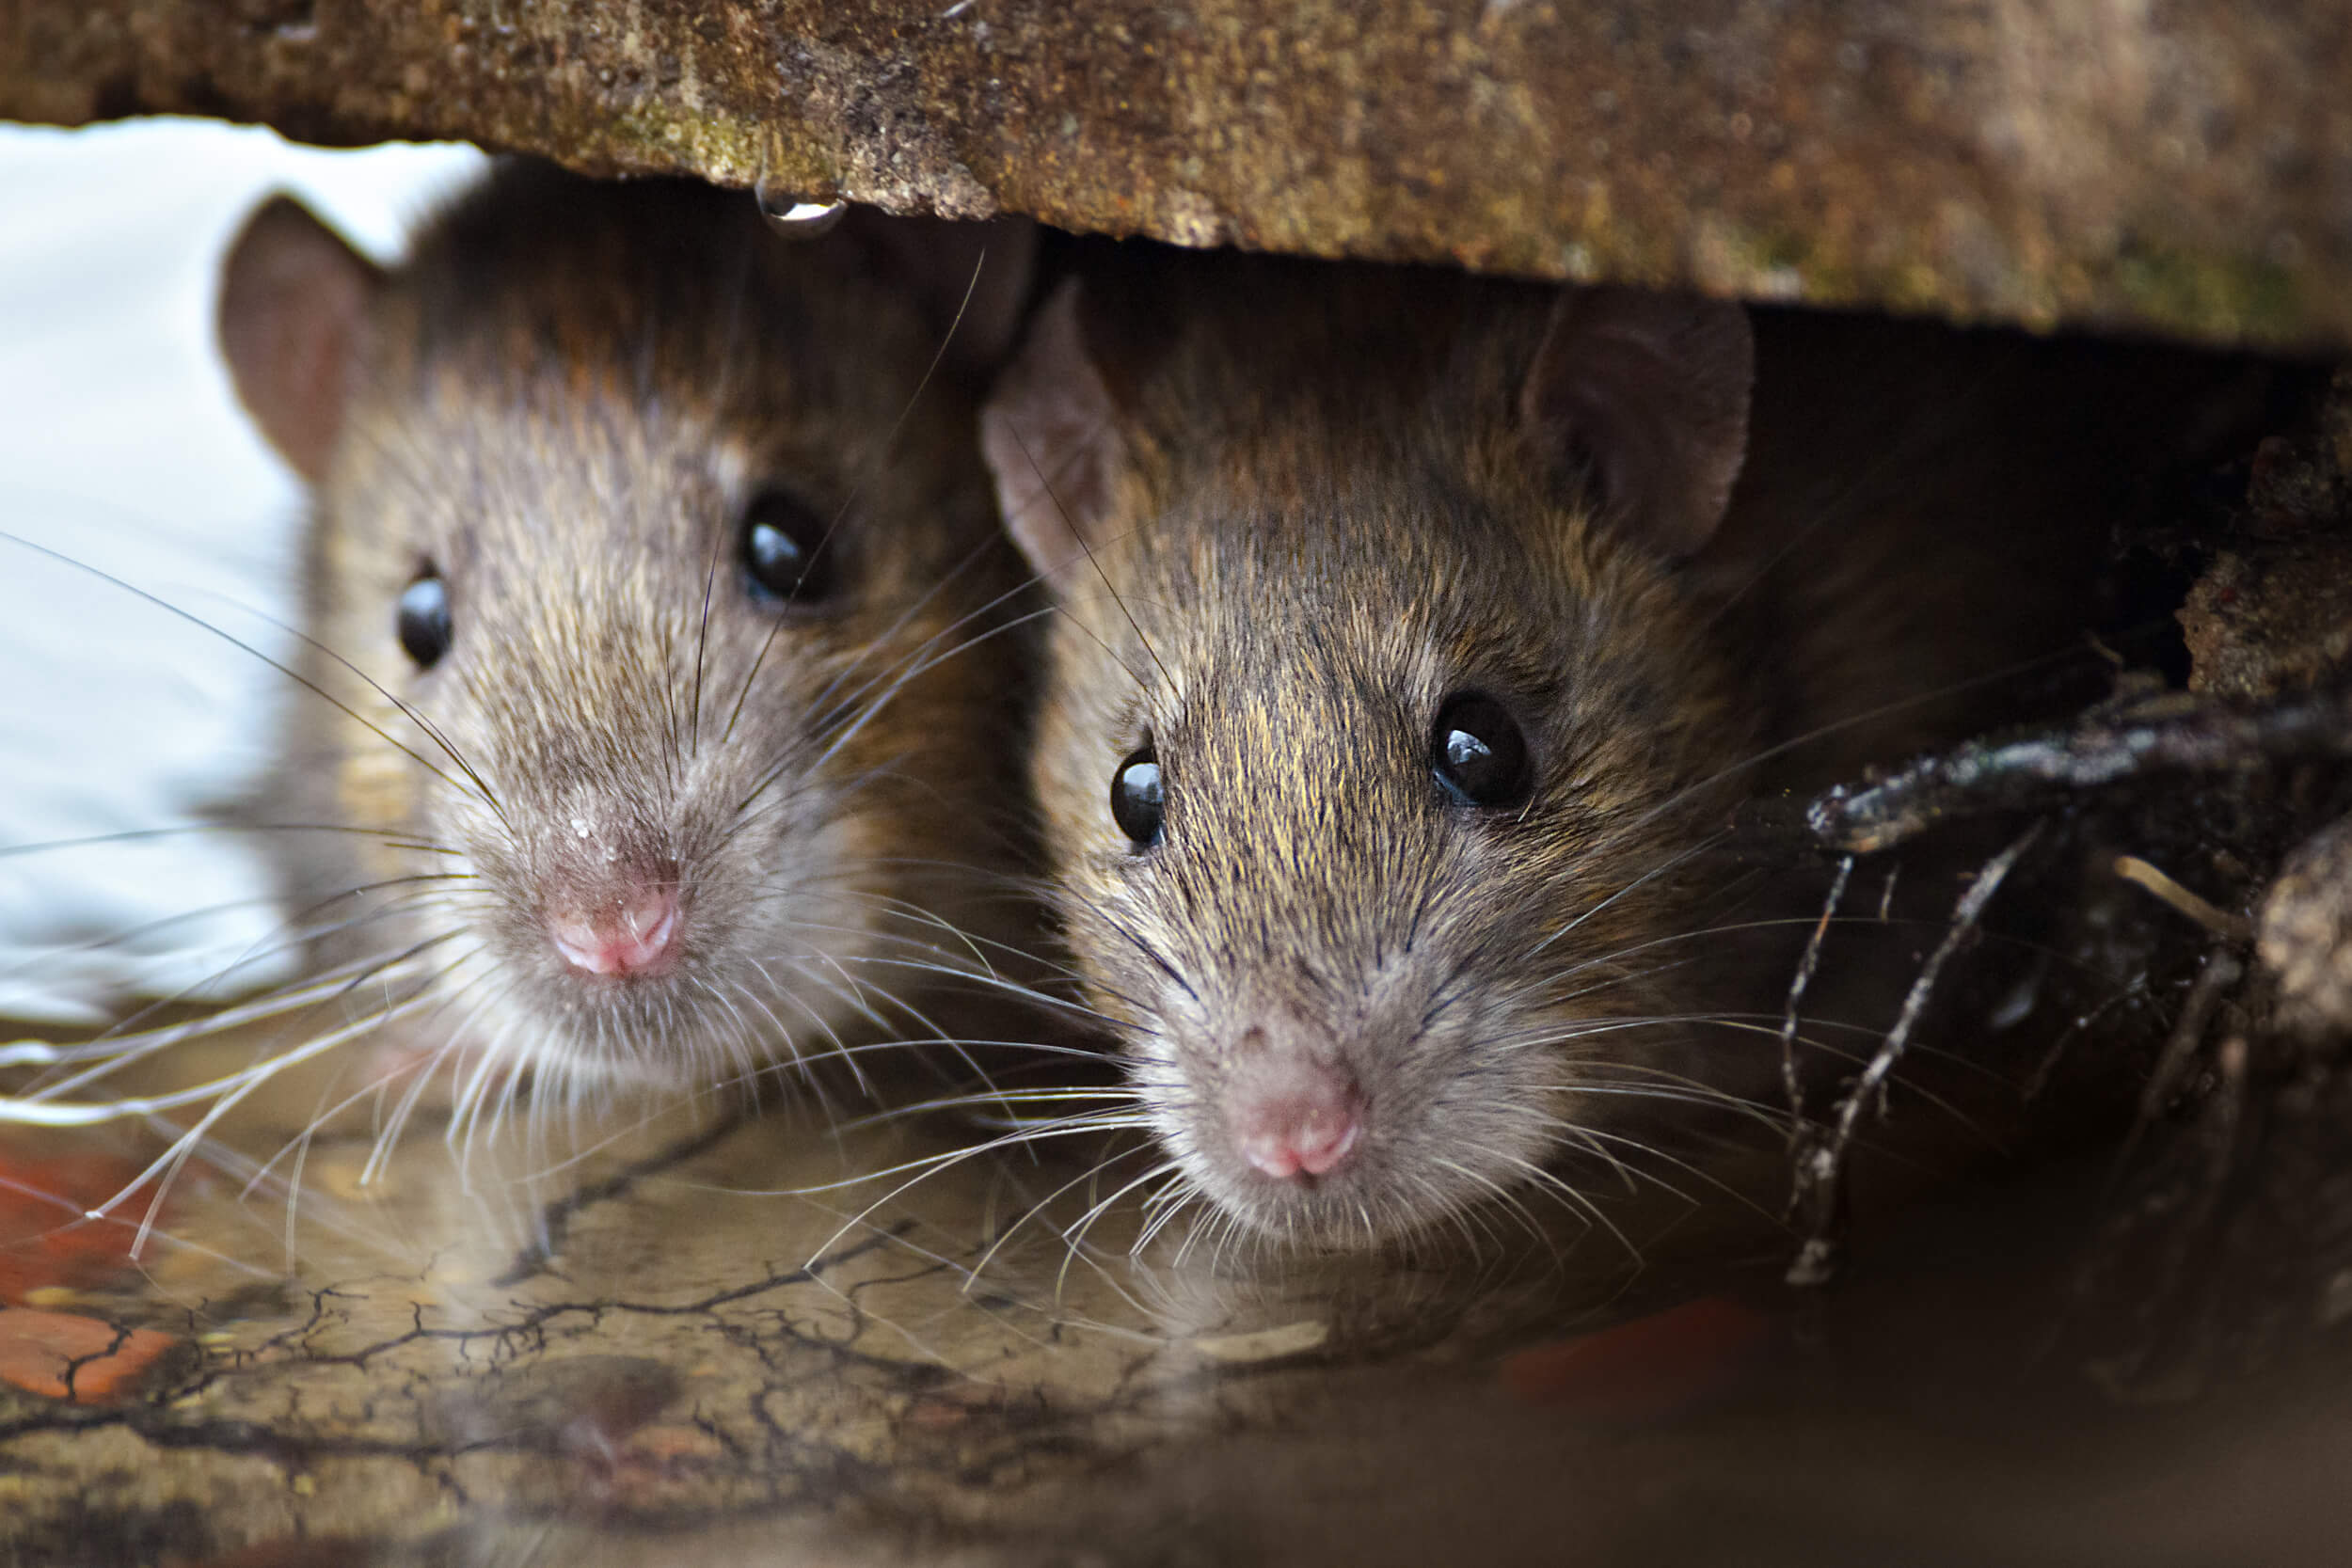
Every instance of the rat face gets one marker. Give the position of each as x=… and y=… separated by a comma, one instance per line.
x=1384, y=893
x=669, y=607
x=1374, y=748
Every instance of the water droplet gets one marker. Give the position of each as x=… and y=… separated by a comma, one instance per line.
x=791, y=216
x=580, y=826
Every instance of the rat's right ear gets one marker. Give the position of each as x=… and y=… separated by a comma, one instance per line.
x=1051, y=438
x=293, y=320
x=1642, y=399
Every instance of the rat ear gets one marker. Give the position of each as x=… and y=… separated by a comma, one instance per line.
x=293, y=317
x=1050, y=435
x=1645, y=395
x=975, y=276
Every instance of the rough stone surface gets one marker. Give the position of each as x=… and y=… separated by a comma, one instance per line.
x=2185, y=166
x=2301, y=481
x=2271, y=620
x=2307, y=932
x=2273, y=615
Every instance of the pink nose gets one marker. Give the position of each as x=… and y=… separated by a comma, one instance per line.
x=1304, y=1128
x=635, y=936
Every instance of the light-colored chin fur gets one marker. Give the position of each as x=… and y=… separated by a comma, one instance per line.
x=1387, y=1200
x=789, y=947
x=1422, y=1169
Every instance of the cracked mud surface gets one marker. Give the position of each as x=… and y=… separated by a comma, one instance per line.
x=698, y=1342
x=654, y=1337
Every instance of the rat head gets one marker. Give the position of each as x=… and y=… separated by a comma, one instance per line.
x=650, y=590
x=1378, y=719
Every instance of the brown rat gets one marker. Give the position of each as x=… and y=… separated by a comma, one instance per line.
x=1417, y=632
x=651, y=585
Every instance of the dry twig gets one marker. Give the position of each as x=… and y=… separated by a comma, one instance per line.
x=1821, y=1156
x=2175, y=734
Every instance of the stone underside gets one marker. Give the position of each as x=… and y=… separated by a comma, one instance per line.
x=2185, y=168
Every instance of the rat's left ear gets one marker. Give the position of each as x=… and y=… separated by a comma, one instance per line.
x=1644, y=397
x=292, y=322
x=1050, y=433
x=974, y=277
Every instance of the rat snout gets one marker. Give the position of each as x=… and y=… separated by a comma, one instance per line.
x=631, y=934
x=1294, y=1113
x=610, y=896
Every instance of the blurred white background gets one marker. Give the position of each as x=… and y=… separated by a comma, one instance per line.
x=122, y=447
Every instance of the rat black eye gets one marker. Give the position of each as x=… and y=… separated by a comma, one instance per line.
x=787, y=553
x=1478, y=753
x=1136, y=798
x=424, y=618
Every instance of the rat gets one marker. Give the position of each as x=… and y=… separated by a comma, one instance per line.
x=1417, y=634
x=658, y=633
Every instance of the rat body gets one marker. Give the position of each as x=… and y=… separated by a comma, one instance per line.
x=654, y=597
x=1417, y=634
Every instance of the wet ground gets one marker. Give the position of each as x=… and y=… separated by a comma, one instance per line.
x=701, y=1338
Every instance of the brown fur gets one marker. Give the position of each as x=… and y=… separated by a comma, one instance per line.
x=562, y=402
x=1315, y=501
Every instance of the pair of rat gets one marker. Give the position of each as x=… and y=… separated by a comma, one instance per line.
x=1403, y=664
